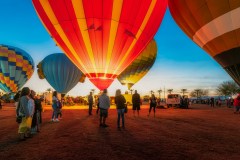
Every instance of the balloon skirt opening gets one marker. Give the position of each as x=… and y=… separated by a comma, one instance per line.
x=101, y=83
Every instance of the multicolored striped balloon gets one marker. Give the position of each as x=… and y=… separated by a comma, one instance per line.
x=16, y=67
x=101, y=37
x=215, y=26
x=140, y=66
x=60, y=72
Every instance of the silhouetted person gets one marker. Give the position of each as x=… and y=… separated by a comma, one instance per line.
x=212, y=102
x=136, y=102
x=90, y=103
x=120, y=103
x=153, y=104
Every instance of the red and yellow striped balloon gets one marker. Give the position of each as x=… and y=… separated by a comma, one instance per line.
x=101, y=37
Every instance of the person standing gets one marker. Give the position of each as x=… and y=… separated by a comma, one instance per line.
x=55, y=107
x=34, y=117
x=153, y=104
x=59, y=114
x=104, y=105
x=16, y=98
x=212, y=102
x=236, y=104
x=90, y=103
x=23, y=111
x=136, y=101
x=38, y=104
x=120, y=103
x=97, y=105
x=37, y=117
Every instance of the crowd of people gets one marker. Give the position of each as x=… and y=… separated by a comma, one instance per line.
x=103, y=105
x=29, y=109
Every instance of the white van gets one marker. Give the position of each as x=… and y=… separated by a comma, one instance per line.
x=173, y=100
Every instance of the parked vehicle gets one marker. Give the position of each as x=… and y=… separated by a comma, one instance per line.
x=173, y=100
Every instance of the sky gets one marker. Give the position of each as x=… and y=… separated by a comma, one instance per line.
x=180, y=63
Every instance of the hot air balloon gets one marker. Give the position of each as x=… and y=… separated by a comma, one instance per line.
x=101, y=37
x=140, y=66
x=16, y=67
x=214, y=26
x=60, y=72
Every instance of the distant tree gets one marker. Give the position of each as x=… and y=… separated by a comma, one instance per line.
x=170, y=91
x=159, y=91
x=199, y=93
x=228, y=88
x=152, y=92
x=183, y=91
x=131, y=90
x=49, y=90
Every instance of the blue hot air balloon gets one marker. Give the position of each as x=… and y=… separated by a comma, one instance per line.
x=60, y=72
x=16, y=67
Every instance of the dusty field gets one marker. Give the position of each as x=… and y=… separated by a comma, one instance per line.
x=200, y=132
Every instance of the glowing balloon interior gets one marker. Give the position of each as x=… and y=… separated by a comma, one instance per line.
x=60, y=72
x=101, y=37
x=16, y=67
x=140, y=66
x=214, y=26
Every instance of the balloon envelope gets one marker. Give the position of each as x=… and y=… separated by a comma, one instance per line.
x=101, y=37
x=214, y=26
x=60, y=72
x=140, y=66
x=16, y=67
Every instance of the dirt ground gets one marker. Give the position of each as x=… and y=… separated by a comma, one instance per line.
x=200, y=132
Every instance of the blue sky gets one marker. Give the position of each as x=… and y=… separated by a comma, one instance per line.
x=180, y=62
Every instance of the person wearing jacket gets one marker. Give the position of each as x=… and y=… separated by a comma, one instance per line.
x=104, y=105
x=236, y=104
x=120, y=103
x=24, y=109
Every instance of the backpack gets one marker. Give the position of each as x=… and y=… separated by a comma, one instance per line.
x=154, y=100
x=59, y=104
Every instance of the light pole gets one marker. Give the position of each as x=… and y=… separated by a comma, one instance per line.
x=183, y=91
x=131, y=90
x=159, y=91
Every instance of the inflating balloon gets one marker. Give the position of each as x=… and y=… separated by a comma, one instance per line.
x=16, y=67
x=215, y=26
x=60, y=72
x=101, y=37
x=140, y=66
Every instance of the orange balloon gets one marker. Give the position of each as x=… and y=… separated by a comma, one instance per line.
x=215, y=26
